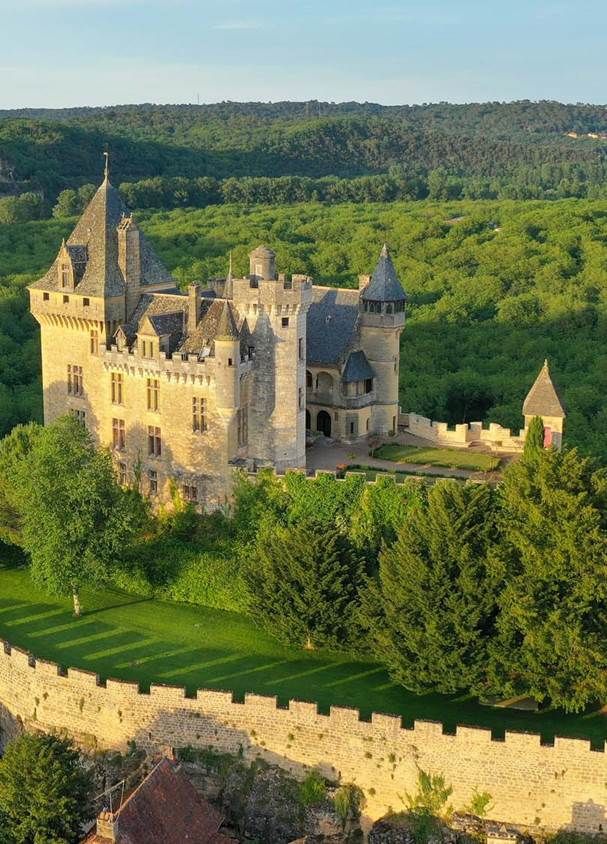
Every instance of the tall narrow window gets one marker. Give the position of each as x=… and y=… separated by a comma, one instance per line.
x=154, y=441
x=199, y=415
x=65, y=275
x=122, y=477
x=152, y=482
x=300, y=394
x=153, y=391
x=117, y=387
x=147, y=348
x=301, y=348
x=94, y=341
x=75, y=383
x=242, y=420
x=118, y=434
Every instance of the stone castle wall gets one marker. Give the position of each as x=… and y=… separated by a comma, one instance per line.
x=463, y=436
x=555, y=786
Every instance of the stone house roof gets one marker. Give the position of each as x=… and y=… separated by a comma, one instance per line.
x=357, y=367
x=384, y=285
x=332, y=325
x=543, y=398
x=164, y=809
x=93, y=247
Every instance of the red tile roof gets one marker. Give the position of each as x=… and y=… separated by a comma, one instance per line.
x=164, y=809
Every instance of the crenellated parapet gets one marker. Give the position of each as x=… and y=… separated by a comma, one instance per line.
x=554, y=785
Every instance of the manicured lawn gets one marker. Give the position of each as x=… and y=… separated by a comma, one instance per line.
x=451, y=458
x=145, y=640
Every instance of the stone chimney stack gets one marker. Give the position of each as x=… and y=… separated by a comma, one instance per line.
x=106, y=826
x=193, y=306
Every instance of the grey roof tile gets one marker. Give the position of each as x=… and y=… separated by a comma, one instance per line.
x=332, y=325
x=384, y=285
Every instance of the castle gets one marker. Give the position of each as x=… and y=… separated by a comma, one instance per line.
x=183, y=387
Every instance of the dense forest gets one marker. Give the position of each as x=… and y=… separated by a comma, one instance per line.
x=494, y=287
x=515, y=150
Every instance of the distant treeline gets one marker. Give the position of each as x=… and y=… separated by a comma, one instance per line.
x=168, y=192
x=494, y=150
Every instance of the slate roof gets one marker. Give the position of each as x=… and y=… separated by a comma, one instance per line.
x=332, y=325
x=95, y=238
x=543, y=398
x=166, y=809
x=384, y=285
x=357, y=367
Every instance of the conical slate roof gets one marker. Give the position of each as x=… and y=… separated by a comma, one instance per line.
x=384, y=285
x=543, y=399
x=226, y=327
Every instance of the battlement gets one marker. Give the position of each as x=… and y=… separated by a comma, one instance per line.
x=463, y=436
x=555, y=785
x=173, y=367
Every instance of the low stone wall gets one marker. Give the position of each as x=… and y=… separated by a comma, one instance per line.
x=560, y=785
x=463, y=436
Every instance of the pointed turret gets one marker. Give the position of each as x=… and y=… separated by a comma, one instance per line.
x=384, y=285
x=226, y=327
x=544, y=401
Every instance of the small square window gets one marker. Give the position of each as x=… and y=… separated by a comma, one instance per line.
x=285, y=322
x=46, y=297
x=86, y=302
x=230, y=362
x=66, y=299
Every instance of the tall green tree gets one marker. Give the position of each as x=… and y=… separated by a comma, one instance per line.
x=431, y=613
x=534, y=441
x=552, y=634
x=76, y=520
x=45, y=792
x=14, y=450
x=303, y=583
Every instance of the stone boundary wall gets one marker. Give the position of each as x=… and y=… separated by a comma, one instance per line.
x=463, y=436
x=554, y=786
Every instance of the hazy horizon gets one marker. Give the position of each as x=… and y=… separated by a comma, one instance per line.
x=72, y=53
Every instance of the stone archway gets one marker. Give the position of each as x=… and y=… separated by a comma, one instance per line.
x=323, y=423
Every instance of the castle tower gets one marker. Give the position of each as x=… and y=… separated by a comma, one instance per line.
x=275, y=308
x=381, y=320
x=543, y=400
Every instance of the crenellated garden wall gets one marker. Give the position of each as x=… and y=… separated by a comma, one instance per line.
x=560, y=785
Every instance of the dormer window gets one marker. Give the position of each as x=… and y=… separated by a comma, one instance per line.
x=66, y=275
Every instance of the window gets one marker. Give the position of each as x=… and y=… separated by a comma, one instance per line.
x=46, y=296
x=154, y=441
x=65, y=275
x=230, y=362
x=301, y=348
x=94, y=335
x=368, y=385
x=79, y=415
x=153, y=393
x=152, y=482
x=122, y=478
x=300, y=398
x=242, y=421
x=118, y=434
x=75, y=386
x=309, y=379
x=367, y=425
x=190, y=493
x=86, y=302
x=66, y=299
x=147, y=348
x=199, y=415
x=285, y=322
x=117, y=385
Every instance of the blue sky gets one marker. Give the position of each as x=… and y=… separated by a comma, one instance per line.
x=100, y=52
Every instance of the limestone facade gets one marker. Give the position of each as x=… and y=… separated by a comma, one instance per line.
x=183, y=387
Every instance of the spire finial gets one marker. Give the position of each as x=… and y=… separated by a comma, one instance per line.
x=230, y=266
x=106, y=168
x=545, y=363
x=384, y=251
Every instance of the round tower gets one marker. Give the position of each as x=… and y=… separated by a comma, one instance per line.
x=381, y=321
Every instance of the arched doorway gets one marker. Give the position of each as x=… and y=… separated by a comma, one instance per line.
x=308, y=420
x=323, y=423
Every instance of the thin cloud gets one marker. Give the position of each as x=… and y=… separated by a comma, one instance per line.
x=239, y=25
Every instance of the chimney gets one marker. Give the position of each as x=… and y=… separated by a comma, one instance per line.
x=106, y=826
x=193, y=307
